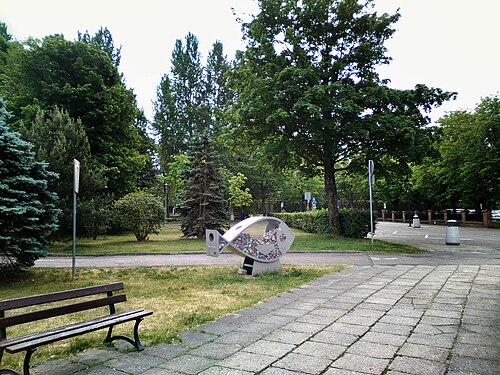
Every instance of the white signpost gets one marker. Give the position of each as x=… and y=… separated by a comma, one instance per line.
x=307, y=197
x=371, y=181
x=76, y=188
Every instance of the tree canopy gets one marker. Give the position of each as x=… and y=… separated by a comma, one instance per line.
x=308, y=87
x=465, y=171
x=83, y=79
x=57, y=140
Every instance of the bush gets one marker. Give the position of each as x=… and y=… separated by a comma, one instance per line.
x=354, y=223
x=94, y=216
x=141, y=213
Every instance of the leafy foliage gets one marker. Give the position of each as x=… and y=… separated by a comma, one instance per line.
x=466, y=171
x=191, y=99
x=354, y=223
x=82, y=79
x=140, y=212
x=239, y=196
x=308, y=87
x=95, y=216
x=27, y=212
x=104, y=41
x=203, y=206
x=57, y=140
x=180, y=108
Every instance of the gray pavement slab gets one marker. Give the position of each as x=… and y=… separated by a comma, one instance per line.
x=345, y=334
x=434, y=313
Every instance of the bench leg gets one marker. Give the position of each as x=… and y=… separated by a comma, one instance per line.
x=136, y=342
x=26, y=367
x=6, y=371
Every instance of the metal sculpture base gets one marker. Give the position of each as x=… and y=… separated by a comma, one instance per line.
x=252, y=267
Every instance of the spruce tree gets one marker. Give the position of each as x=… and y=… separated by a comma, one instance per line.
x=27, y=212
x=203, y=205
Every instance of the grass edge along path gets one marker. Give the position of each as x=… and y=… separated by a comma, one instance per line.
x=180, y=297
x=170, y=241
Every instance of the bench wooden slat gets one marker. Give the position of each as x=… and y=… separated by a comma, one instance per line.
x=75, y=331
x=53, y=331
x=39, y=299
x=61, y=310
x=63, y=303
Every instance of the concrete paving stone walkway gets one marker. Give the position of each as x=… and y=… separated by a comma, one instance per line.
x=394, y=320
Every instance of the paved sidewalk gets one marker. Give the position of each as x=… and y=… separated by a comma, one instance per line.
x=399, y=319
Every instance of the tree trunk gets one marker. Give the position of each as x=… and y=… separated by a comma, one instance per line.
x=331, y=197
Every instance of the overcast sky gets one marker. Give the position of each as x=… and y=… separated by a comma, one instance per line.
x=450, y=44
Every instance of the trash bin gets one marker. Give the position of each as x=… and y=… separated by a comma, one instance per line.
x=416, y=221
x=452, y=233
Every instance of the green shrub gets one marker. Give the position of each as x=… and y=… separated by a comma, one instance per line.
x=141, y=213
x=354, y=223
x=94, y=216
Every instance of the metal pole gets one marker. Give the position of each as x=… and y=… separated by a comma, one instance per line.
x=73, y=264
x=76, y=189
x=166, y=201
x=370, y=174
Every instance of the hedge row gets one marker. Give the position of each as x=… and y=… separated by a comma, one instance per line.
x=353, y=223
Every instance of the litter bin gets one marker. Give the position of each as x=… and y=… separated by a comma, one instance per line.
x=452, y=233
x=416, y=221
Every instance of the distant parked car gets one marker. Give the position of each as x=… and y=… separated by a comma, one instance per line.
x=495, y=214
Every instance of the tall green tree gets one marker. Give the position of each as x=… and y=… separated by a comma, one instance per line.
x=5, y=43
x=191, y=98
x=57, y=140
x=104, y=41
x=466, y=172
x=83, y=79
x=203, y=206
x=219, y=96
x=165, y=124
x=28, y=215
x=470, y=151
x=180, y=107
x=188, y=90
x=308, y=87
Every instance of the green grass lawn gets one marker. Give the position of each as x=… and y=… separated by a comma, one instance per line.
x=180, y=297
x=170, y=241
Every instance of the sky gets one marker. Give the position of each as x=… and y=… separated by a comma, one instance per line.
x=450, y=44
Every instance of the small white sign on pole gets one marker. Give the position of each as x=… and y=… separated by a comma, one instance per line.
x=76, y=165
x=371, y=181
x=307, y=197
x=76, y=188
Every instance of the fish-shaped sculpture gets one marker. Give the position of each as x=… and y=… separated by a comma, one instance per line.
x=259, y=239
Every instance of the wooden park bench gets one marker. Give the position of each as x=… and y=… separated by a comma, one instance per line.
x=61, y=303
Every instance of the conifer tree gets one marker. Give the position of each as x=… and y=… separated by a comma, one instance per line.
x=27, y=212
x=203, y=205
x=57, y=140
